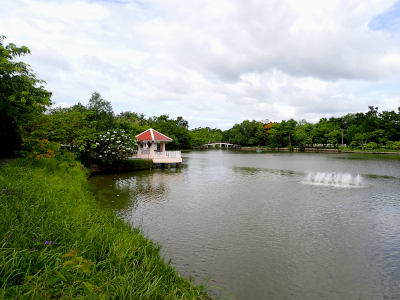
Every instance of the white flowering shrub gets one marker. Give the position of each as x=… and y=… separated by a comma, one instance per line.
x=114, y=145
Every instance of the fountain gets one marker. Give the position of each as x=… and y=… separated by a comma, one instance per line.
x=342, y=180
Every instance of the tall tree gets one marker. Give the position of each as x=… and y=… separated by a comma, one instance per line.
x=101, y=112
x=21, y=96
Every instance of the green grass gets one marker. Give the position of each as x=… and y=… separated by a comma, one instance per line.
x=58, y=243
x=380, y=150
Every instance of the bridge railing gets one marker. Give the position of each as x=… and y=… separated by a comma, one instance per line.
x=219, y=143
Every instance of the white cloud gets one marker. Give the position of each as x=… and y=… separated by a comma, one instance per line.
x=215, y=62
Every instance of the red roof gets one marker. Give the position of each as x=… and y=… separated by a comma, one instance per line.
x=152, y=135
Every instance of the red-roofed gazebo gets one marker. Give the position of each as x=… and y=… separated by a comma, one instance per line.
x=153, y=135
x=152, y=146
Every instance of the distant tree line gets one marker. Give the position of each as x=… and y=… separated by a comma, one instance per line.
x=369, y=130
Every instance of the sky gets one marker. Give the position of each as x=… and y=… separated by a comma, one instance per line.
x=214, y=62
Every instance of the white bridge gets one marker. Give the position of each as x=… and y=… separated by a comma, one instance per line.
x=219, y=144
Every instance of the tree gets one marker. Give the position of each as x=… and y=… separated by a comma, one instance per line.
x=99, y=105
x=261, y=134
x=243, y=133
x=276, y=134
x=21, y=96
x=333, y=137
x=291, y=126
x=201, y=136
x=362, y=138
x=390, y=123
x=182, y=122
x=305, y=133
x=68, y=128
x=103, y=114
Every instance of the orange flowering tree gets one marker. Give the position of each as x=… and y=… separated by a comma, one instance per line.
x=41, y=148
x=61, y=129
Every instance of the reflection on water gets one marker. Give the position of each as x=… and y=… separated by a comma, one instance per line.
x=250, y=220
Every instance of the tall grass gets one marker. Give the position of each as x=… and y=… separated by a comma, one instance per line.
x=58, y=243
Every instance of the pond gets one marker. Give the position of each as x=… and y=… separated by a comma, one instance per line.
x=271, y=225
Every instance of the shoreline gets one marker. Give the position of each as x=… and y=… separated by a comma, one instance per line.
x=315, y=150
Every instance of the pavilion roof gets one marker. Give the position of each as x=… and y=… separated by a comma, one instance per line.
x=153, y=135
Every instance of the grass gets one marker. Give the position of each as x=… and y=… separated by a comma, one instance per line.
x=379, y=150
x=58, y=243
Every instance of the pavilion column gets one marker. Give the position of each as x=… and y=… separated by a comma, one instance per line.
x=138, y=155
x=152, y=150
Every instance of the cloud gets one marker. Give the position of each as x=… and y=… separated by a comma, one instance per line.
x=388, y=20
x=216, y=62
x=53, y=64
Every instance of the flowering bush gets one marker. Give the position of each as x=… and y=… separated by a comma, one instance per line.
x=39, y=148
x=114, y=145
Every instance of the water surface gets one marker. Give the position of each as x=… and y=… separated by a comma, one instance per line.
x=272, y=225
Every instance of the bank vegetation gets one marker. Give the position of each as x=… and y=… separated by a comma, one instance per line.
x=57, y=242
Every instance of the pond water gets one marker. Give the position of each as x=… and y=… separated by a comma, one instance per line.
x=272, y=225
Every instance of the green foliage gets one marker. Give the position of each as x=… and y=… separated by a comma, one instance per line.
x=137, y=164
x=201, y=136
x=362, y=138
x=261, y=134
x=327, y=131
x=280, y=134
x=114, y=145
x=102, y=115
x=48, y=216
x=67, y=127
x=305, y=133
x=393, y=145
x=277, y=136
x=371, y=146
x=21, y=95
x=243, y=133
x=333, y=136
x=77, y=263
x=354, y=129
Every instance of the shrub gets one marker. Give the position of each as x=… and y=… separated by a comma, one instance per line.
x=393, y=145
x=354, y=145
x=371, y=146
x=137, y=164
x=396, y=145
x=389, y=144
x=114, y=145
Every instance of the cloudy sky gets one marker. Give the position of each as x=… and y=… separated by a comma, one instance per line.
x=214, y=62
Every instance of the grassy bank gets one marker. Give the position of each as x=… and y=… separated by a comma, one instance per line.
x=371, y=151
x=56, y=242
